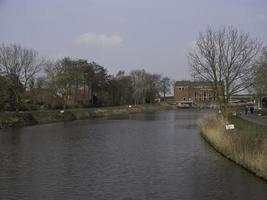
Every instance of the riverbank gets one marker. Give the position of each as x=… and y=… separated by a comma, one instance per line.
x=262, y=120
x=18, y=119
x=246, y=144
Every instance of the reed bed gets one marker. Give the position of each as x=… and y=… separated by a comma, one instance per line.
x=245, y=145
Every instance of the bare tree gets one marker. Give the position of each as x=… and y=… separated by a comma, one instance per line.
x=260, y=75
x=139, y=85
x=153, y=86
x=20, y=62
x=165, y=86
x=58, y=78
x=224, y=56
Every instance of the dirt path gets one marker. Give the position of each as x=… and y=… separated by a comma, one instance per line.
x=262, y=120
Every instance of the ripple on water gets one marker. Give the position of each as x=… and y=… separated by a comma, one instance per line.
x=141, y=156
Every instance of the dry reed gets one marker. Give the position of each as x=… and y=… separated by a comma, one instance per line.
x=241, y=145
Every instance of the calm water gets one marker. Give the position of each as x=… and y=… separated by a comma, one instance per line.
x=142, y=156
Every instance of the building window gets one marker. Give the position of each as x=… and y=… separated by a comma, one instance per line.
x=184, y=98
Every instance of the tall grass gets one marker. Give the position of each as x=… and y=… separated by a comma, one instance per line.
x=246, y=144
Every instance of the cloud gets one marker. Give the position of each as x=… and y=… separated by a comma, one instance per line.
x=99, y=40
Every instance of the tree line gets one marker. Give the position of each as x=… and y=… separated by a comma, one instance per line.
x=226, y=57
x=28, y=82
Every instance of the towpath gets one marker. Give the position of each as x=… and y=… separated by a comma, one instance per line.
x=262, y=120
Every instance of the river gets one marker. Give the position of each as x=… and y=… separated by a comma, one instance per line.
x=141, y=156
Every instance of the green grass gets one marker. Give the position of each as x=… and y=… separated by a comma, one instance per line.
x=263, y=112
x=248, y=128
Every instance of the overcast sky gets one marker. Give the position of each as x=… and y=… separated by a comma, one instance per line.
x=155, y=35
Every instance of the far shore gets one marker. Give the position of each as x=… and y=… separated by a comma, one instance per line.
x=27, y=118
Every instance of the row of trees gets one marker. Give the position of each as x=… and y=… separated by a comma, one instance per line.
x=226, y=56
x=229, y=57
x=28, y=82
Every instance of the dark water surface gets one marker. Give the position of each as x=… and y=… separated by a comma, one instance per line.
x=141, y=156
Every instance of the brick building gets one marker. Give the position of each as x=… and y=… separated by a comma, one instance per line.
x=194, y=91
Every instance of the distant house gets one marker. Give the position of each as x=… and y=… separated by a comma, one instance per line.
x=195, y=91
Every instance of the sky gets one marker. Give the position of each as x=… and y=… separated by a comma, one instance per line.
x=155, y=35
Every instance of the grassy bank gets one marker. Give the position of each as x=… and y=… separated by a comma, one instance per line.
x=13, y=119
x=245, y=145
x=262, y=112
